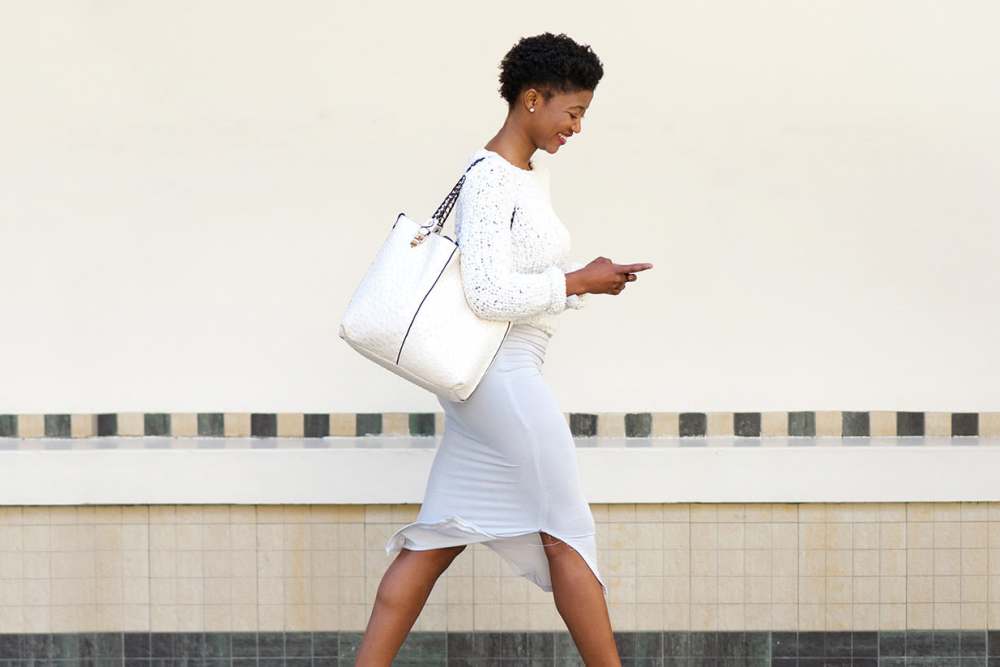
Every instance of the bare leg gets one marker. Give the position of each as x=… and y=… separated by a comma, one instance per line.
x=404, y=589
x=580, y=601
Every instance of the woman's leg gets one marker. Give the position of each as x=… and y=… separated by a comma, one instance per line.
x=580, y=601
x=404, y=589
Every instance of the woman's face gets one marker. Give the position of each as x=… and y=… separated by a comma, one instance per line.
x=563, y=114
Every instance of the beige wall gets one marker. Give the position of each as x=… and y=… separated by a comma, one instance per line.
x=760, y=567
x=191, y=192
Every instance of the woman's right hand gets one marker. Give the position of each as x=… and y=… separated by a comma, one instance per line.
x=602, y=276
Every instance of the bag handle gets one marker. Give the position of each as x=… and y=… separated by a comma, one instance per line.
x=444, y=209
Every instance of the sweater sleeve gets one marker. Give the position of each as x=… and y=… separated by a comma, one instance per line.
x=575, y=301
x=493, y=289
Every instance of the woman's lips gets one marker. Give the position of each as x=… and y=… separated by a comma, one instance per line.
x=561, y=140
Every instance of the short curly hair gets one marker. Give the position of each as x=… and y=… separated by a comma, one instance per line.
x=550, y=63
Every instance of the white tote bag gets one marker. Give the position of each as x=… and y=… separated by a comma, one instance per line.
x=409, y=314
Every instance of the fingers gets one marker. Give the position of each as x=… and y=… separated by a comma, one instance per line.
x=632, y=268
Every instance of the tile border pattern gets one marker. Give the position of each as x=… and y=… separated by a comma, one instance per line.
x=960, y=648
x=845, y=424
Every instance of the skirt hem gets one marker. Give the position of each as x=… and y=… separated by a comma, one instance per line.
x=454, y=531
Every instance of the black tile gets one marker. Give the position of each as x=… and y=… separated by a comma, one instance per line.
x=87, y=649
x=837, y=645
x=524, y=645
x=263, y=425
x=565, y=647
x=472, y=644
x=541, y=645
x=218, y=645
x=909, y=423
x=65, y=645
x=625, y=643
x=368, y=423
x=36, y=646
x=802, y=424
x=315, y=425
x=692, y=424
x=57, y=426
x=244, y=644
x=964, y=423
x=270, y=644
x=156, y=423
x=583, y=424
x=732, y=644
x=864, y=644
x=107, y=424
x=703, y=644
x=891, y=662
x=784, y=644
x=676, y=644
x=892, y=643
x=758, y=644
x=514, y=645
x=298, y=645
x=10, y=646
x=993, y=643
x=919, y=643
x=972, y=643
x=112, y=644
x=855, y=424
x=189, y=644
x=422, y=423
x=325, y=644
x=746, y=424
x=161, y=645
x=946, y=643
x=347, y=646
x=430, y=646
x=638, y=424
x=812, y=644
x=648, y=644
x=134, y=645
x=8, y=427
x=211, y=424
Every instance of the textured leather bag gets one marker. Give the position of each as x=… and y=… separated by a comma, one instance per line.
x=409, y=314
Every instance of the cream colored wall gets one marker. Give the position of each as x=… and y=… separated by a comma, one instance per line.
x=191, y=192
x=757, y=567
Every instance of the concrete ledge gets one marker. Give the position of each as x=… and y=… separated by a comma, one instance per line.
x=384, y=473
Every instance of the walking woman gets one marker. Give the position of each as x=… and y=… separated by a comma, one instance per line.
x=505, y=474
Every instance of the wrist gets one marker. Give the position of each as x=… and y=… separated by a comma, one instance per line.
x=575, y=283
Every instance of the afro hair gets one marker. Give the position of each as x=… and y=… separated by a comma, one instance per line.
x=550, y=63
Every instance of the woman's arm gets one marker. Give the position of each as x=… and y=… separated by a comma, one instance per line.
x=493, y=289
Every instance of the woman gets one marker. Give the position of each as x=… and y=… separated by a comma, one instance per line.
x=505, y=472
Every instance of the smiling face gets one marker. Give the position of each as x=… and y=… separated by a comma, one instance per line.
x=562, y=115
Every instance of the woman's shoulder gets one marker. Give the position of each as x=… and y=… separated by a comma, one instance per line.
x=486, y=169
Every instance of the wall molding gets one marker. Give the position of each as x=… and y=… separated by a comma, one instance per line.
x=874, y=423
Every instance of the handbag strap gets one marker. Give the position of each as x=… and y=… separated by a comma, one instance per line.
x=444, y=210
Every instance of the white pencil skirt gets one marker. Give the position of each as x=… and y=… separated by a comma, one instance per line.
x=506, y=469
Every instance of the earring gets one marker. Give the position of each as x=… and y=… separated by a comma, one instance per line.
x=532, y=109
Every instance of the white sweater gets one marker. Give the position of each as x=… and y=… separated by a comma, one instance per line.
x=513, y=249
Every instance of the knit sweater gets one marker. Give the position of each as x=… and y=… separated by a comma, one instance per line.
x=513, y=249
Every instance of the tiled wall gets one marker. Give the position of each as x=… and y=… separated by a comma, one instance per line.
x=615, y=424
x=675, y=567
